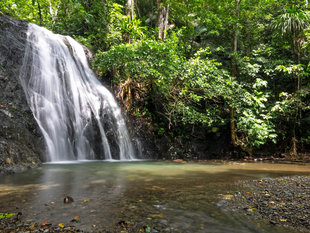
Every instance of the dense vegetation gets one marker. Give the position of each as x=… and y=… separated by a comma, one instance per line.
x=195, y=68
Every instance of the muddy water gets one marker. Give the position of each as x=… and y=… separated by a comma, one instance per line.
x=164, y=196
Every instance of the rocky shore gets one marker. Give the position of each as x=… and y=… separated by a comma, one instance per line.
x=14, y=224
x=282, y=201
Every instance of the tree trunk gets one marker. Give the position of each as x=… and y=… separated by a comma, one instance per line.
x=166, y=22
x=40, y=13
x=137, y=12
x=234, y=139
x=294, y=151
x=130, y=9
x=233, y=132
x=162, y=19
x=130, y=15
x=52, y=12
x=235, y=41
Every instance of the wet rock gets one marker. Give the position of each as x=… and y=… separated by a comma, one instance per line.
x=68, y=200
x=21, y=142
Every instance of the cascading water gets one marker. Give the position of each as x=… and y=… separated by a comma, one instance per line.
x=78, y=116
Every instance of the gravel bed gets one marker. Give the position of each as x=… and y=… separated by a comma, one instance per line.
x=15, y=225
x=284, y=201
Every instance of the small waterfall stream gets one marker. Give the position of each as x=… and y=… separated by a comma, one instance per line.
x=78, y=116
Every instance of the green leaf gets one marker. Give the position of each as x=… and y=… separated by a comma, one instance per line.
x=6, y=215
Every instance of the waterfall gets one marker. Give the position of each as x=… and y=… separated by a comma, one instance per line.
x=78, y=116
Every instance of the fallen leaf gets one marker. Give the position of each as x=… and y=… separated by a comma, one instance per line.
x=61, y=225
x=228, y=196
x=283, y=220
x=179, y=161
x=157, y=215
x=249, y=209
x=76, y=219
x=148, y=229
x=45, y=223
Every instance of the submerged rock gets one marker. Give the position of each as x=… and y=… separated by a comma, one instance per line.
x=68, y=200
x=20, y=138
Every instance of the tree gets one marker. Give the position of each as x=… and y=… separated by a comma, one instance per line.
x=234, y=139
x=162, y=19
x=130, y=9
x=292, y=23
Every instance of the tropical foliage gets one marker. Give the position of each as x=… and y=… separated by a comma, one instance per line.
x=189, y=69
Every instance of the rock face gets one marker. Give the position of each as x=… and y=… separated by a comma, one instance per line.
x=21, y=142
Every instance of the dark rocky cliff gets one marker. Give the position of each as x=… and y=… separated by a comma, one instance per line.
x=21, y=143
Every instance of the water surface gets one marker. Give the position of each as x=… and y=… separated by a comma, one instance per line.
x=166, y=196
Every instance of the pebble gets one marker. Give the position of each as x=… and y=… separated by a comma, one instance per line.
x=282, y=201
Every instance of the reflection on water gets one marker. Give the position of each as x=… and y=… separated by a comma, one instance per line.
x=172, y=197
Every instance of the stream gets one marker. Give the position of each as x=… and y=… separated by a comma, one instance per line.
x=162, y=196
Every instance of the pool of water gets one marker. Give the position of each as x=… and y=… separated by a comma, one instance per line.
x=167, y=196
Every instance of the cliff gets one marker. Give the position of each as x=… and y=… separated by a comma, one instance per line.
x=21, y=142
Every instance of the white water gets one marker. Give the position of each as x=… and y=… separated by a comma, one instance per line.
x=78, y=116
